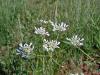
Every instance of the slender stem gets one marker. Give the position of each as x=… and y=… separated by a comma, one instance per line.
x=21, y=66
x=56, y=9
x=57, y=36
x=43, y=58
x=56, y=62
x=51, y=63
x=44, y=66
x=86, y=54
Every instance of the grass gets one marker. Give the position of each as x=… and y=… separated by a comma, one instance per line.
x=18, y=19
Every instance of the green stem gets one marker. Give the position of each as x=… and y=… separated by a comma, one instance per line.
x=57, y=35
x=86, y=54
x=51, y=63
x=56, y=62
x=44, y=73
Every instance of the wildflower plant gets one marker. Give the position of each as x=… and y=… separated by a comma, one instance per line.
x=41, y=31
x=56, y=26
x=59, y=27
x=50, y=45
x=76, y=74
x=75, y=40
x=25, y=49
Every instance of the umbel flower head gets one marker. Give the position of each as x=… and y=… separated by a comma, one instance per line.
x=41, y=31
x=50, y=45
x=77, y=74
x=59, y=27
x=25, y=49
x=74, y=74
x=76, y=41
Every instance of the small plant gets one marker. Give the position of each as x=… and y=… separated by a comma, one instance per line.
x=25, y=50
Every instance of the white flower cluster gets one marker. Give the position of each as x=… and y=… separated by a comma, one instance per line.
x=50, y=45
x=76, y=74
x=56, y=26
x=76, y=41
x=41, y=31
x=59, y=27
x=25, y=49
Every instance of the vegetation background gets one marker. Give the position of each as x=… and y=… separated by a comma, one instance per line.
x=18, y=19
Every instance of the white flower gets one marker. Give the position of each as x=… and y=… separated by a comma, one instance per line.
x=24, y=49
x=41, y=31
x=50, y=45
x=77, y=74
x=60, y=27
x=44, y=21
x=74, y=74
x=76, y=41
